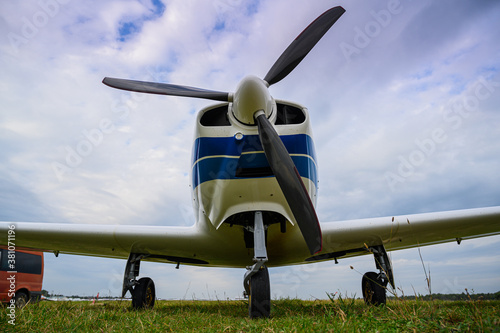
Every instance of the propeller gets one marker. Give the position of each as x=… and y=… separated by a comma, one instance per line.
x=165, y=89
x=254, y=104
x=290, y=182
x=301, y=46
x=287, y=62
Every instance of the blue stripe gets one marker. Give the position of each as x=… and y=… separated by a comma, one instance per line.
x=225, y=166
x=295, y=144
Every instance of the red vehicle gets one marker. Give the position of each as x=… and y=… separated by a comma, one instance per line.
x=21, y=276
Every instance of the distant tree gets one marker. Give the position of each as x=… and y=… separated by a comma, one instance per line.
x=454, y=297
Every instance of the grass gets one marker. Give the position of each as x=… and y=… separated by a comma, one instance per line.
x=288, y=315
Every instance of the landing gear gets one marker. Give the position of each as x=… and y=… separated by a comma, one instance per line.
x=374, y=285
x=259, y=299
x=256, y=280
x=143, y=295
x=373, y=289
x=142, y=290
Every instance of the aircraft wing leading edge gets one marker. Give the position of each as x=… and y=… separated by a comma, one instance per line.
x=191, y=245
x=402, y=232
x=112, y=241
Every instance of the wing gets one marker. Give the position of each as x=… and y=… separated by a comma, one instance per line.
x=189, y=245
x=350, y=238
x=223, y=247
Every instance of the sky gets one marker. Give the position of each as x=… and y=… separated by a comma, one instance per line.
x=404, y=99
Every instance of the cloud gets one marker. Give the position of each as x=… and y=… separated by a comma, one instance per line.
x=76, y=151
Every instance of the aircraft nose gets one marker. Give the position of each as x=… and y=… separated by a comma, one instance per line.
x=252, y=95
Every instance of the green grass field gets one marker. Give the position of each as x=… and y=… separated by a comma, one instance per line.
x=347, y=315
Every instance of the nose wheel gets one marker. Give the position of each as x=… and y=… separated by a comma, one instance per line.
x=259, y=299
x=256, y=280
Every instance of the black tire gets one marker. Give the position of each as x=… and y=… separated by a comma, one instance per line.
x=374, y=290
x=21, y=299
x=259, y=302
x=144, y=295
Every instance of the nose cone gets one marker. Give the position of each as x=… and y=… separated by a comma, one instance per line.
x=252, y=95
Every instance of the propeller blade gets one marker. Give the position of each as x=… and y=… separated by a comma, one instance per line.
x=290, y=183
x=301, y=46
x=166, y=89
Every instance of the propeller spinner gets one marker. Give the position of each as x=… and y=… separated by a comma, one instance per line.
x=253, y=104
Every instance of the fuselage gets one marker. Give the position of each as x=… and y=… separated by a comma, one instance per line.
x=230, y=173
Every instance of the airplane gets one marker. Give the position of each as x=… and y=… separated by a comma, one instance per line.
x=254, y=179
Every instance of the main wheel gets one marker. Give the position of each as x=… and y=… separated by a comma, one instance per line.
x=259, y=302
x=143, y=296
x=21, y=299
x=373, y=289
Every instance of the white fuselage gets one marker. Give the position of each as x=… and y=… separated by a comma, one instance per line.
x=230, y=172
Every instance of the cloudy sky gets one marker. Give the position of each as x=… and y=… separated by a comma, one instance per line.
x=404, y=98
